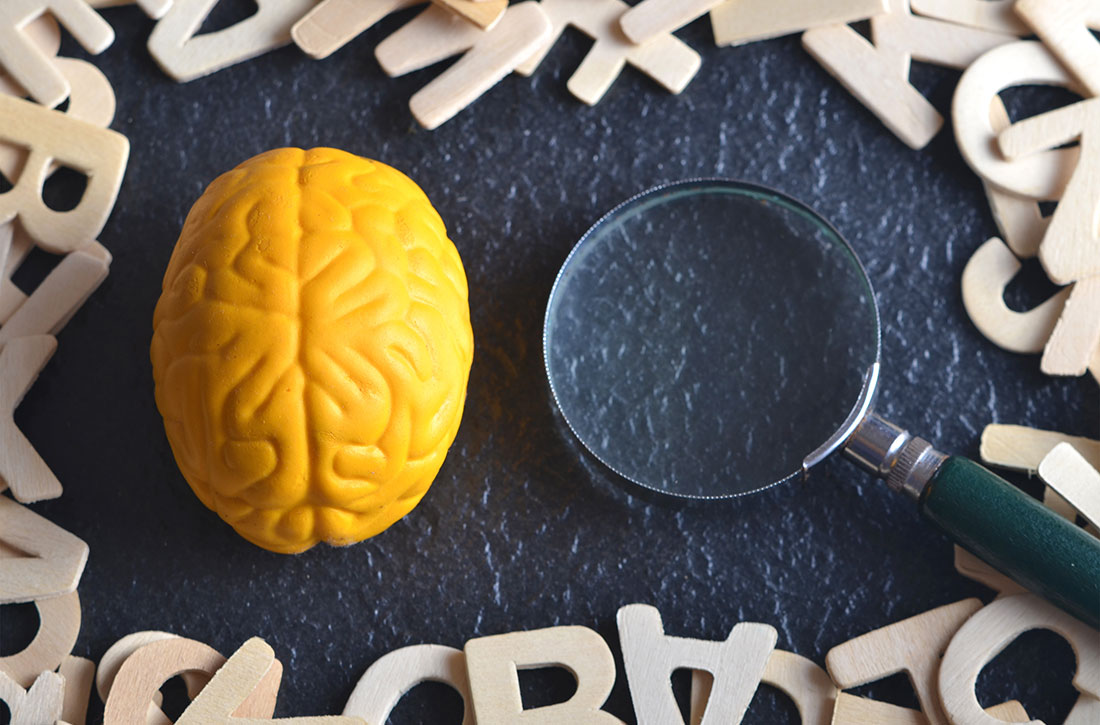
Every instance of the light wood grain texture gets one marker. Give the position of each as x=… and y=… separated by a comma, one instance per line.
x=736, y=22
x=1019, y=219
x=1064, y=26
x=59, y=295
x=52, y=137
x=390, y=677
x=24, y=60
x=974, y=568
x=45, y=34
x=334, y=23
x=79, y=674
x=931, y=41
x=116, y=654
x=664, y=58
x=92, y=100
x=808, y=686
x=21, y=468
x=153, y=8
x=186, y=56
x=996, y=15
x=1066, y=472
x=482, y=13
x=1071, y=247
x=984, y=280
x=853, y=710
x=11, y=297
x=50, y=560
x=58, y=627
x=912, y=646
x=1011, y=711
x=1086, y=711
x=878, y=78
x=651, y=18
x=142, y=673
x=1059, y=505
x=111, y=661
x=39, y=705
x=1042, y=175
x=493, y=663
x=650, y=656
x=221, y=702
x=989, y=631
x=1076, y=337
x=489, y=56
x=878, y=75
x=1021, y=448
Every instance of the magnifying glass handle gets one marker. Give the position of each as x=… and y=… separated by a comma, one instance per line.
x=990, y=517
x=1015, y=533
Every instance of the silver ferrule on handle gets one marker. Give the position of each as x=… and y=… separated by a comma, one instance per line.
x=905, y=461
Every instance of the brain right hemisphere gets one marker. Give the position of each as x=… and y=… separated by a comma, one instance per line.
x=311, y=347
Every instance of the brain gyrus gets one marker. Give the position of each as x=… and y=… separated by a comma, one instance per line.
x=311, y=347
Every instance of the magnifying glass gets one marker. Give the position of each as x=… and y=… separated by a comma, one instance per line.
x=711, y=338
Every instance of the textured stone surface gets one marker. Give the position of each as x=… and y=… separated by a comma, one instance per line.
x=520, y=530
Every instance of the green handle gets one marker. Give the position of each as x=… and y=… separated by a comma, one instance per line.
x=1016, y=534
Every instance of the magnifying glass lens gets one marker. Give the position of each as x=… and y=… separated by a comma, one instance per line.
x=703, y=338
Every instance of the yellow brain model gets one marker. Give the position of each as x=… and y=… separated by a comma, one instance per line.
x=311, y=347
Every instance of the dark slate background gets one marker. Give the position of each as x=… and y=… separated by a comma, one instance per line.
x=521, y=531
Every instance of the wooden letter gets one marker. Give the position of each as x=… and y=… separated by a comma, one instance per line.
x=186, y=58
x=912, y=646
x=40, y=705
x=387, y=680
x=1042, y=175
x=437, y=34
x=24, y=471
x=239, y=678
x=52, y=136
x=60, y=295
x=996, y=15
x=1076, y=338
x=737, y=22
x=852, y=710
x=808, y=686
x=1064, y=26
x=989, y=631
x=983, y=284
x=141, y=675
x=493, y=664
x=651, y=18
x=332, y=24
x=1021, y=448
x=52, y=561
x=1019, y=219
x=878, y=75
x=1070, y=249
x=78, y=673
x=665, y=58
x=92, y=100
x=650, y=656
x=59, y=624
x=482, y=13
x=1072, y=478
x=26, y=62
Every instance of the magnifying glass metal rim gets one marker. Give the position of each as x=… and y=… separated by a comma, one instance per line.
x=859, y=410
